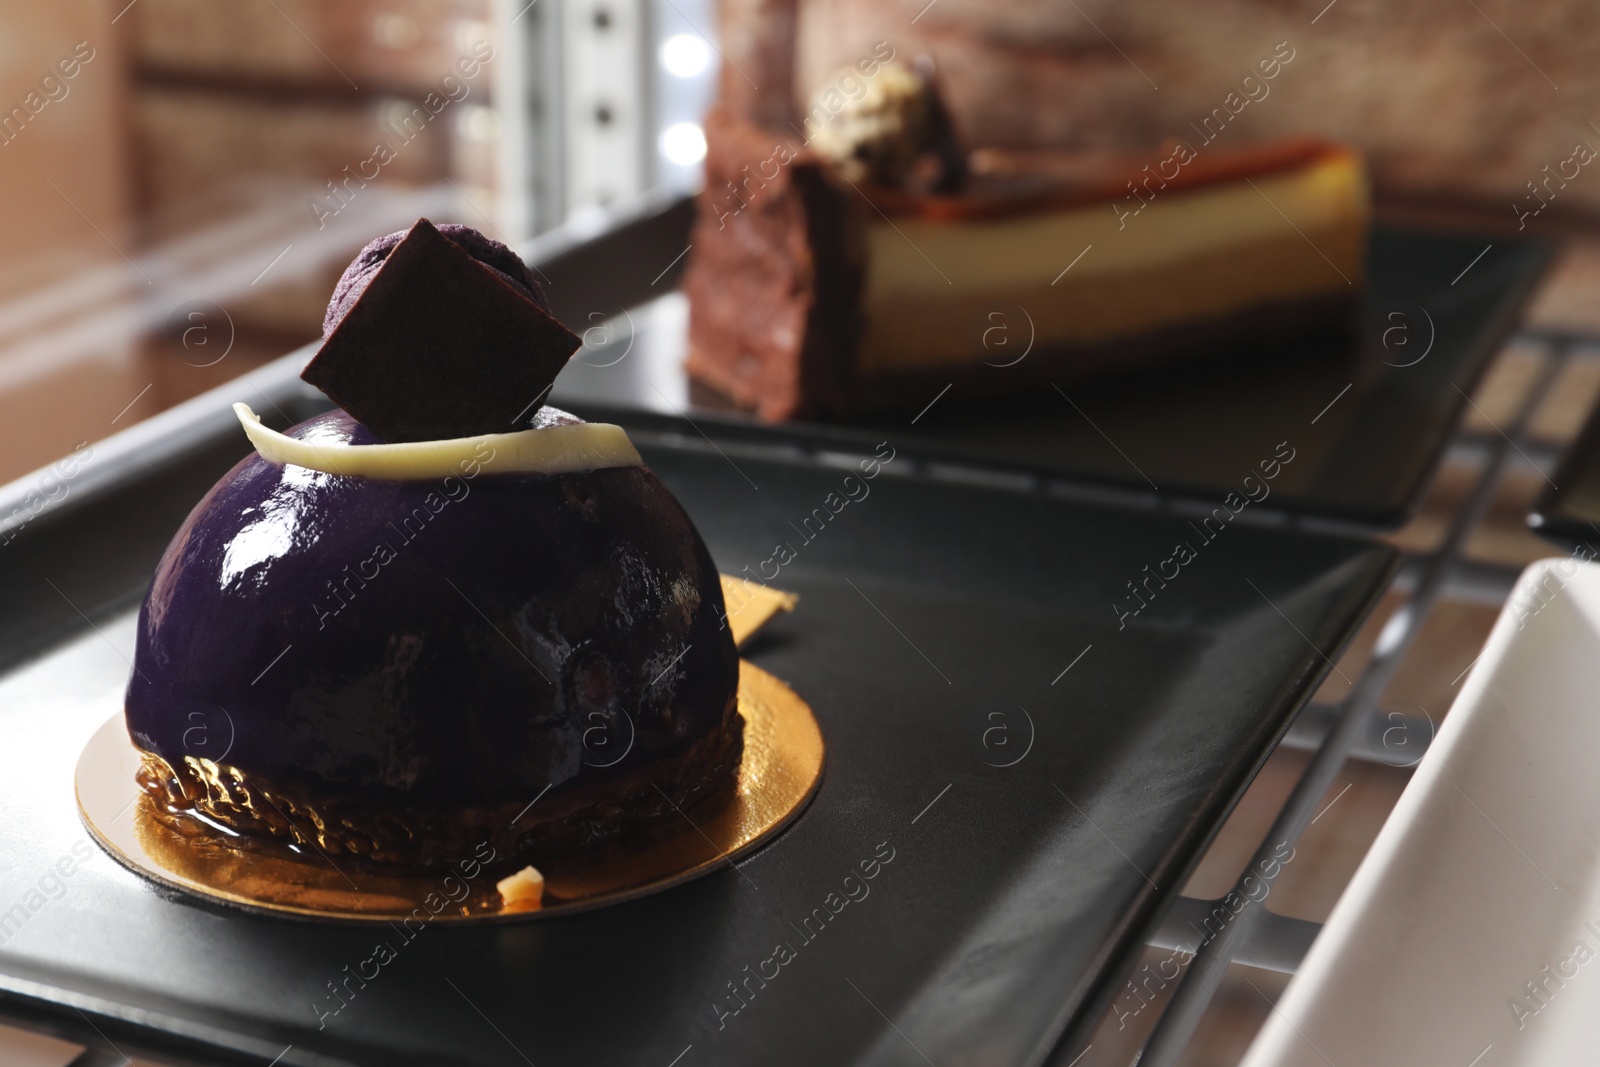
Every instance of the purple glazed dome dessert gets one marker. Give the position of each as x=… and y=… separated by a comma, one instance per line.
x=403, y=668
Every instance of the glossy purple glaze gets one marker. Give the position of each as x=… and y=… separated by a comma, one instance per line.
x=456, y=642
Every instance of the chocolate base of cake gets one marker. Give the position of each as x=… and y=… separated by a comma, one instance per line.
x=189, y=794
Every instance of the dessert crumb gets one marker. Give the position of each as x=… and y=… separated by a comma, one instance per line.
x=525, y=889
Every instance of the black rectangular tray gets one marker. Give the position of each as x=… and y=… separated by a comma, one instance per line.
x=1369, y=416
x=943, y=632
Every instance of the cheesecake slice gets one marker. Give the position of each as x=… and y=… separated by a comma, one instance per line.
x=814, y=295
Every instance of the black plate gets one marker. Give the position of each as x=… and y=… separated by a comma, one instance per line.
x=943, y=631
x=1568, y=511
x=1437, y=310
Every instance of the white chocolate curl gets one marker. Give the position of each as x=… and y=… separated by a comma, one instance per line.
x=551, y=450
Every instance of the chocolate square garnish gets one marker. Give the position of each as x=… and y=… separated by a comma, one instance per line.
x=439, y=345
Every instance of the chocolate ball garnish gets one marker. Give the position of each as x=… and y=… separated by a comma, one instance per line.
x=437, y=333
x=486, y=250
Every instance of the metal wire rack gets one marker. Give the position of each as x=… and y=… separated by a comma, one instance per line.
x=1239, y=928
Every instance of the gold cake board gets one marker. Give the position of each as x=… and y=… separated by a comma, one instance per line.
x=779, y=773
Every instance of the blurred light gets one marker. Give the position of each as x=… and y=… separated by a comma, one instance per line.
x=683, y=143
x=685, y=55
x=477, y=122
x=471, y=32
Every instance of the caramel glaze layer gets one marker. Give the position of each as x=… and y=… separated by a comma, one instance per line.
x=1020, y=183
